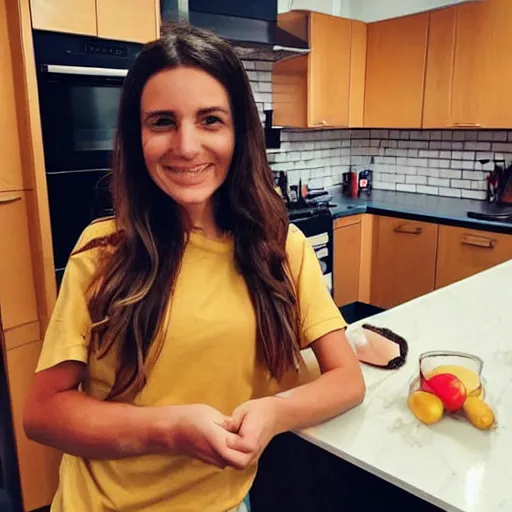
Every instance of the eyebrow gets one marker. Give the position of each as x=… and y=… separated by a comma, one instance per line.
x=201, y=111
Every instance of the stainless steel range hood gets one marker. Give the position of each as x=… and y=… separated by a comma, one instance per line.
x=250, y=24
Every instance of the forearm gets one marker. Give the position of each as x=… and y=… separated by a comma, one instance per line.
x=333, y=393
x=76, y=423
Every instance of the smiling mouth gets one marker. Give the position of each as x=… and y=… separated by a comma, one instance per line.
x=188, y=171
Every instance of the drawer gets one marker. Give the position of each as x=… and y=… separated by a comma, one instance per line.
x=463, y=252
x=17, y=290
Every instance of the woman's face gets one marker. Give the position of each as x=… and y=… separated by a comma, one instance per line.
x=188, y=135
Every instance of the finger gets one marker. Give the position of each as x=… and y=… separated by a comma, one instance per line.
x=242, y=444
x=230, y=425
x=237, y=459
x=226, y=422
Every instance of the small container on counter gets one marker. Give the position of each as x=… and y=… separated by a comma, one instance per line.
x=350, y=184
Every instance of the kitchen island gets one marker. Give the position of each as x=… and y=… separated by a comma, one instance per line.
x=451, y=465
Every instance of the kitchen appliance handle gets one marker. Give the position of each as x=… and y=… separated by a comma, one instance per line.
x=84, y=70
x=409, y=230
x=478, y=241
x=9, y=198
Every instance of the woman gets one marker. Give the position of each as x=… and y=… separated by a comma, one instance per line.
x=171, y=357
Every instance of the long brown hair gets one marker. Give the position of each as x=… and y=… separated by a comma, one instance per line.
x=134, y=284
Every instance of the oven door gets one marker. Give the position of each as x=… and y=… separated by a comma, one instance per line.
x=318, y=230
x=75, y=198
x=79, y=112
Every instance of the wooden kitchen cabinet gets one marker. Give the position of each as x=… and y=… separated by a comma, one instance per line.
x=467, y=83
x=11, y=171
x=439, y=74
x=38, y=465
x=73, y=16
x=395, y=72
x=463, y=252
x=403, y=260
x=17, y=291
x=135, y=21
x=347, y=259
x=494, y=68
x=324, y=87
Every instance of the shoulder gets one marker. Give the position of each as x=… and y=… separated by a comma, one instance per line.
x=101, y=232
x=296, y=246
x=295, y=240
x=97, y=241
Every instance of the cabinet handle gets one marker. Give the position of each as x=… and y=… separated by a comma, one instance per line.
x=9, y=198
x=468, y=125
x=321, y=123
x=478, y=241
x=409, y=230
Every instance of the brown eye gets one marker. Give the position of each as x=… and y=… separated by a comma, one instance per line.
x=211, y=120
x=163, y=122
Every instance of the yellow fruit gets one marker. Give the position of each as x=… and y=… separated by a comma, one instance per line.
x=468, y=377
x=427, y=407
x=479, y=413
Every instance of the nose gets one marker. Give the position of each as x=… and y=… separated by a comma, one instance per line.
x=187, y=143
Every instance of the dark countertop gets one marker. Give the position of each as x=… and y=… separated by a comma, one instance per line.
x=442, y=210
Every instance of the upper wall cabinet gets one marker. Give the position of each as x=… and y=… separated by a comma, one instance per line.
x=316, y=90
x=454, y=84
x=467, y=83
x=395, y=73
x=73, y=16
x=128, y=21
x=135, y=21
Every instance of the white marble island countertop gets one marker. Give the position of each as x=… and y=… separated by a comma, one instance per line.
x=450, y=464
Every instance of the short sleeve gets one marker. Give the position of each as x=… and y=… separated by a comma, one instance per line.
x=68, y=333
x=319, y=313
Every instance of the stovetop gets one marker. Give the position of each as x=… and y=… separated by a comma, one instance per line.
x=493, y=213
x=315, y=203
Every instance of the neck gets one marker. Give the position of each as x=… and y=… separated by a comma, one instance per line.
x=201, y=217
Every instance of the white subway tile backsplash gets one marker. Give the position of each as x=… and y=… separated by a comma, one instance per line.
x=460, y=184
x=450, y=173
x=502, y=147
x=485, y=135
x=402, y=187
x=439, y=182
x=473, y=194
x=431, y=172
x=383, y=185
x=443, y=164
x=499, y=136
x=473, y=175
x=450, y=192
x=424, y=189
x=416, y=180
x=477, y=146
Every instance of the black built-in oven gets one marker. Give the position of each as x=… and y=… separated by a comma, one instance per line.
x=79, y=80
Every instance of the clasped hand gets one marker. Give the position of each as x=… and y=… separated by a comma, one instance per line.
x=237, y=441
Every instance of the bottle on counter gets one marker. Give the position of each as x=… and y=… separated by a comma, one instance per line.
x=354, y=184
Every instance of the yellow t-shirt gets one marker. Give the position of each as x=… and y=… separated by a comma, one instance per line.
x=208, y=356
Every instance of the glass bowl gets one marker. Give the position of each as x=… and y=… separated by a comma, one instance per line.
x=467, y=367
